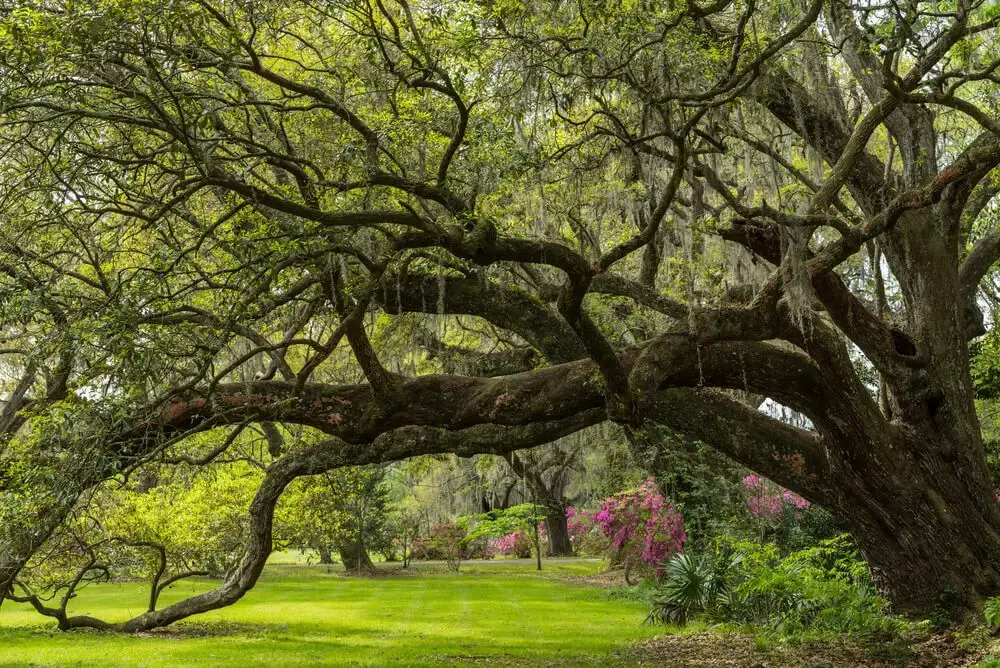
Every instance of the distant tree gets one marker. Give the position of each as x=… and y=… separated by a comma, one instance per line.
x=547, y=472
x=344, y=511
x=402, y=529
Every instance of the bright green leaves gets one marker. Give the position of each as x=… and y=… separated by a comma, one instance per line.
x=985, y=366
x=345, y=506
x=523, y=517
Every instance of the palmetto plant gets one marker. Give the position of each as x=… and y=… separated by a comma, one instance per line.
x=693, y=585
x=991, y=611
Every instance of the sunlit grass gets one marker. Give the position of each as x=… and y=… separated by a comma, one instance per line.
x=501, y=614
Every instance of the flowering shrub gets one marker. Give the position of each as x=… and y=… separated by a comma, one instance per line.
x=578, y=523
x=768, y=502
x=592, y=543
x=447, y=541
x=514, y=544
x=643, y=527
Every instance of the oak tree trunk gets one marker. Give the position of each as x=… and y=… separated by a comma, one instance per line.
x=556, y=526
x=929, y=528
x=355, y=557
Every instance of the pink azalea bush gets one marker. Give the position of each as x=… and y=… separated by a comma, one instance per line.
x=768, y=502
x=579, y=524
x=515, y=544
x=642, y=526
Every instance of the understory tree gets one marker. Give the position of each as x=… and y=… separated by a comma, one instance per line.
x=344, y=510
x=410, y=227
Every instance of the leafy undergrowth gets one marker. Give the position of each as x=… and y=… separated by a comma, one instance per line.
x=747, y=604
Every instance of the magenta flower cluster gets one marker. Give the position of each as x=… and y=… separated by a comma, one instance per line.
x=767, y=502
x=578, y=523
x=514, y=544
x=643, y=525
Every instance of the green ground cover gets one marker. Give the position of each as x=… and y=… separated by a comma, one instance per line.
x=493, y=614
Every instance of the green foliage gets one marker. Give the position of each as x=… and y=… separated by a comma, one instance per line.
x=522, y=519
x=985, y=366
x=702, y=484
x=973, y=639
x=706, y=487
x=799, y=531
x=991, y=612
x=347, y=506
x=497, y=523
x=988, y=662
x=816, y=592
x=197, y=518
x=692, y=586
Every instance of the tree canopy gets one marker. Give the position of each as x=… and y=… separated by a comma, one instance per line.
x=358, y=231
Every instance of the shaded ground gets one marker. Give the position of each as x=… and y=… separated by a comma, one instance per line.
x=737, y=650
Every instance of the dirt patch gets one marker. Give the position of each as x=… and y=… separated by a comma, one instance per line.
x=604, y=580
x=187, y=630
x=737, y=650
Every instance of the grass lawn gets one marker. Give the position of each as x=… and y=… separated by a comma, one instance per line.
x=493, y=614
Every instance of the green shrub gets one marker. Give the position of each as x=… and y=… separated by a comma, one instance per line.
x=821, y=591
x=991, y=612
x=991, y=661
x=973, y=639
x=693, y=586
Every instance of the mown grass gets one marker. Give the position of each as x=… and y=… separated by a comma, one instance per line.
x=495, y=614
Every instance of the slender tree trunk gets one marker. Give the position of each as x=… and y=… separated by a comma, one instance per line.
x=325, y=555
x=556, y=526
x=355, y=557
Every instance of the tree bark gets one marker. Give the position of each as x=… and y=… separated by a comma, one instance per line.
x=325, y=555
x=355, y=557
x=556, y=526
x=929, y=528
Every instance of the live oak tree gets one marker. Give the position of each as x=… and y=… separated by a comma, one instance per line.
x=539, y=476
x=475, y=227
x=546, y=473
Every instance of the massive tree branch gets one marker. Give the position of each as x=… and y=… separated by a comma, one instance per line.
x=790, y=456
x=507, y=307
